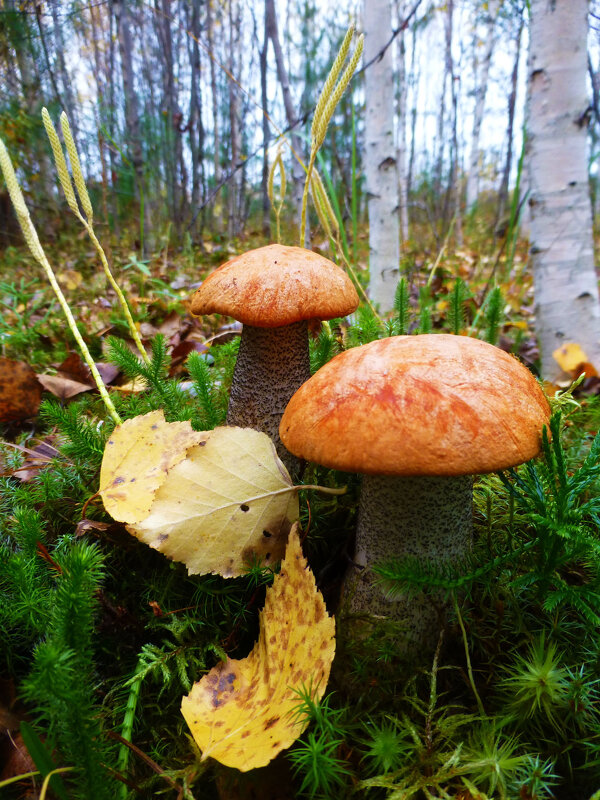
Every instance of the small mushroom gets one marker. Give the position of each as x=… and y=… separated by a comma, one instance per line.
x=274, y=291
x=418, y=416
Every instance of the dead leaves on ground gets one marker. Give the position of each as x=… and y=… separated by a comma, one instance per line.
x=214, y=500
x=20, y=391
x=242, y=712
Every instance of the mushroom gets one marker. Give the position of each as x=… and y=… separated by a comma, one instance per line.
x=418, y=416
x=274, y=291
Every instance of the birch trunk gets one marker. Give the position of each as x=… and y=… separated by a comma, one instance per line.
x=512, y=101
x=562, y=249
x=234, y=190
x=195, y=125
x=402, y=98
x=381, y=169
x=266, y=131
x=210, y=23
x=481, y=81
x=454, y=192
x=290, y=112
x=132, y=116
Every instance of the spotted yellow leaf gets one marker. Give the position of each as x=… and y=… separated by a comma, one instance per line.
x=242, y=712
x=214, y=500
x=228, y=503
x=136, y=461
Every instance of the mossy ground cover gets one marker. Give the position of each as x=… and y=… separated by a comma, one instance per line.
x=100, y=636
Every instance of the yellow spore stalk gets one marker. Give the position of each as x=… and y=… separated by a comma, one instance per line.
x=277, y=207
x=330, y=225
x=86, y=205
x=326, y=104
x=33, y=242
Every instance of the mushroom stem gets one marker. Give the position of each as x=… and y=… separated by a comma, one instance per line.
x=428, y=517
x=272, y=364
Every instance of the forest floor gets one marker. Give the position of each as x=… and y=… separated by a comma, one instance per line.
x=100, y=637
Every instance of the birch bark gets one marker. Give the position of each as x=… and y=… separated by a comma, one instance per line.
x=291, y=115
x=401, y=111
x=562, y=250
x=493, y=6
x=381, y=168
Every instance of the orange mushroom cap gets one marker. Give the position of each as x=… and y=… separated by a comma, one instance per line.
x=433, y=404
x=276, y=285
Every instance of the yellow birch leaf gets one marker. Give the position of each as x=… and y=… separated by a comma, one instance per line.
x=229, y=502
x=242, y=712
x=70, y=279
x=136, y=460
x=569, y=356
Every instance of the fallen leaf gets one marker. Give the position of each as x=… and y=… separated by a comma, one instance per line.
x=108, y=372
x=569, y=356
x=76, y=369
x=20, y=391
x=214, y=500
x=36, y=458
x=229, y=502
x=70, y=279
x=589, y=369
x=242, y=712
x=136, y=460
x=135, y=386
x=63, y=388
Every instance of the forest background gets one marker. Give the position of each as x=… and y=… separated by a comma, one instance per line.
x=187, y=116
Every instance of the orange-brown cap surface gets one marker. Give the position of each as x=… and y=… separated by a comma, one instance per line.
x=432, y=404
x=276, y=285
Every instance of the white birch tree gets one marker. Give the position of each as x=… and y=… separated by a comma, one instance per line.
x=562, y=250
x=381, y=172
x=482, y=71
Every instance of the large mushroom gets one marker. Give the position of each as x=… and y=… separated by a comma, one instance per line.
x=418, y=416
x=274, y=291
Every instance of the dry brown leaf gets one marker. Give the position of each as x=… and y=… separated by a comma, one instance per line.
x=20, y=391
x=63, y=388
x=242, y=712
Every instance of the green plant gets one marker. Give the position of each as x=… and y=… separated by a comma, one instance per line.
x=401, y=307
x=535, y=686
x=61, y=681
x=316, y=758
x=385, y=745
x=534, y=779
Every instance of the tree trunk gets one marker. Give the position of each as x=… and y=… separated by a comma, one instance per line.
x=132, y=117
x=381, y=172
x=298, y=174
x=234, y=192
x=195, y=125
x=170, y=111
x=481, y=84
x=454, y=185
x=266, y=131
x=512, y=101
x=401, y=106
x=562, y=249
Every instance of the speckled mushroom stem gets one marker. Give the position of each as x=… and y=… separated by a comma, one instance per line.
x=427, y=517
x=271, y=364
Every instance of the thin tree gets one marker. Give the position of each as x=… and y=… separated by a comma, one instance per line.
x=290, y=110
x=481, y=72
x=512, y=103
x=132, y=117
